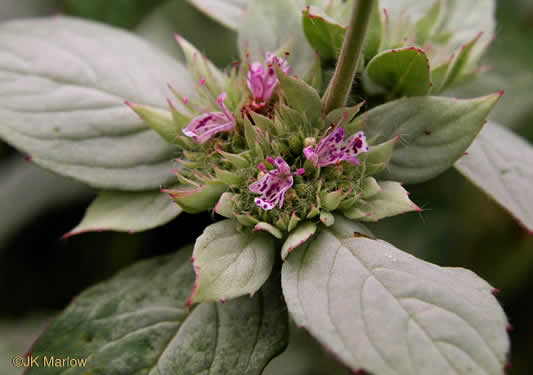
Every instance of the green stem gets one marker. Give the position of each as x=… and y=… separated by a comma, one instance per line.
x=340, y=85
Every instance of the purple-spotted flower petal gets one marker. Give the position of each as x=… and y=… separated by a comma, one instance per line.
x=205, y=126
x=273, y=185
x=333, y=148
x=262, y=80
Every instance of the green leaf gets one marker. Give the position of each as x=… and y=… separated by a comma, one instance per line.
x=137, y=323
x=123, y=13
x=313, y=75
x=501, y=164
x=196, y=199
x=323, y=32
x=66, y=108
x=298, y=237
x=268, y=25
x=127, y=212
x=428, y=25
x=434, y=132
x=270, y=229
x=229, y=263
x=378, y=157
x=382, y=310
x=391, y=200
x=226, y=12
x=159, y=120
x=459, y=67
x=374, y=33
x=347, y=113
x=463, y=20
x=300, y=96
x=400, y=72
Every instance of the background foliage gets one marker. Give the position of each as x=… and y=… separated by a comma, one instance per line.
x=40, y=273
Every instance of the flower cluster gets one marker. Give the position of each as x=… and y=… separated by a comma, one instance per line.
x=266, y=155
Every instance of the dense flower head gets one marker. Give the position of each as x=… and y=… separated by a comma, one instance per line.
x=269, y=157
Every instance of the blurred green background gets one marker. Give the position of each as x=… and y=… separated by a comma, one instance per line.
x=41, y=273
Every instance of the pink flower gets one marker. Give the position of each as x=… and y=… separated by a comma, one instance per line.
x=262, y=80
x=333, y=149
x=273, y=185
x=205, y=126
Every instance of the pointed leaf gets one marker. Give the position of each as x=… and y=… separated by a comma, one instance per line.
x=429, y=23
x=137, y=323
x=345, y=112
x=224, y=206
x=434, y=132
x=384, y=311
x=229, y=263
x=323, y=32
x=313, y=75
x=401, y=72
x=300, y=96
x=268, y=25
x=501, y=164
x=160, y=120
x=270, y=229
x=298, y=237
x=127, y=212
x=391, y=200
x=62, y=101
x=197, y=199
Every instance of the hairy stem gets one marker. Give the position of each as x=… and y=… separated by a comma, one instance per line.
x=340, y=85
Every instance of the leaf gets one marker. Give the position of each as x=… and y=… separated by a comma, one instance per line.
x=62, y=101
x=434, y=132
x=464, y=20
x=27, y=191
x=300, y=96
x=270, y=229
x=391, y=200
x=323, y=32
x=268, y=25
x=401, y=72
x=197, y=199
x=137, y=323
x=298, y=237
x=127, y=212
x=430, y=22
x=382, y=310
x=501, y=164
x=161, y=121
x=229, y=263
x=226, y=12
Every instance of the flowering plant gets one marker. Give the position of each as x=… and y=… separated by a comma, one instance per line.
x=290, y=165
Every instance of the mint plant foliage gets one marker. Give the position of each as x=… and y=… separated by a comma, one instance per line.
x=289, y=183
